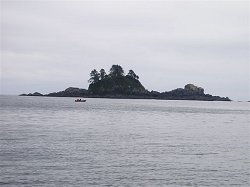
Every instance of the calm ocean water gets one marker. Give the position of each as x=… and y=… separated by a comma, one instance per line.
x=106, y=142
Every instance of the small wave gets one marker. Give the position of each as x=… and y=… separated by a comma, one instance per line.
x=200, y=154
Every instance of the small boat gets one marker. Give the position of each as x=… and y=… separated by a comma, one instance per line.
x=80, y=100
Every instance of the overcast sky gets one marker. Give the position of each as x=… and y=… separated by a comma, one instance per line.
x=47, y=46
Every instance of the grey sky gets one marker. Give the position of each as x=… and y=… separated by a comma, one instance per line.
x=47, y=46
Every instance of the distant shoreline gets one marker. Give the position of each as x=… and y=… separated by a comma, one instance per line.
x=177, y=94
x=117, y=85
x=132, y=97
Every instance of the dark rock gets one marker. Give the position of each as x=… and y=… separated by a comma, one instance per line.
x=23, y=95
x=190, y=92
x=32, y=94
x=69, y=92
x=194, y=89
x=155, y=93
x=36, y=94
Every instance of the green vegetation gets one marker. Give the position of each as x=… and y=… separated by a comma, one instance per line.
x=115, y=83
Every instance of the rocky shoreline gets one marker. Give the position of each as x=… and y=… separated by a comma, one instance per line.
x=118, y=85
x=189, y=92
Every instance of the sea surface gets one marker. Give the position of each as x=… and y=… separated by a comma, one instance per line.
x=48, y=141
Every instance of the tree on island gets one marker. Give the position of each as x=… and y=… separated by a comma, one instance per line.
x=94, y=76
x=116, y=71
x=102, y=74
x=115, y=82
x=132, y=74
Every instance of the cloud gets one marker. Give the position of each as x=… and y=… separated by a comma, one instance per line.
x=167, y=43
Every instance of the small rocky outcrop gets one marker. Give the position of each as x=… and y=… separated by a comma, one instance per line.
x=69, y=92
x=194, y=89
x=191, y=92
x=32, y=94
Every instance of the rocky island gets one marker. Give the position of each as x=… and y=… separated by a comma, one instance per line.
x=117, y=85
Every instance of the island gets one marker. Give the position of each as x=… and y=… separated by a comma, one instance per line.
x=118, y=85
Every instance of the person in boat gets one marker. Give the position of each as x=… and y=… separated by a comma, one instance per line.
x=80, y=100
